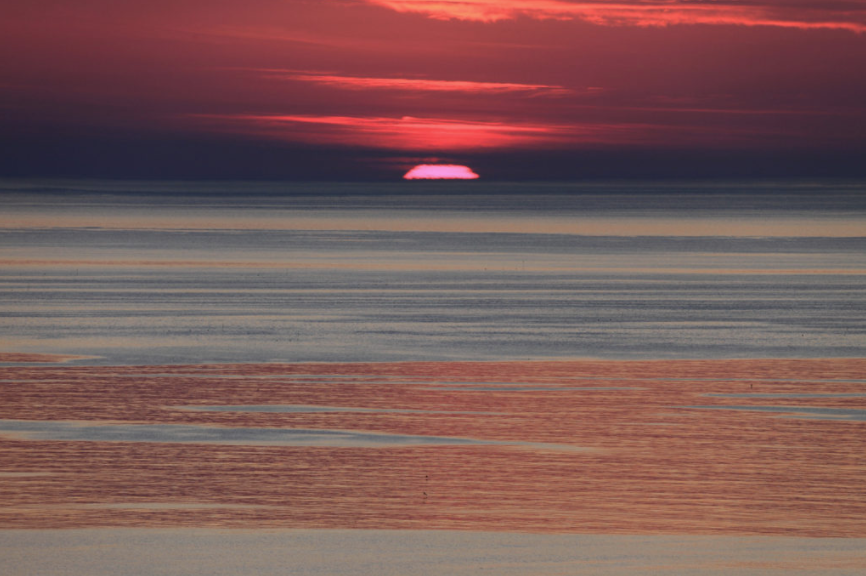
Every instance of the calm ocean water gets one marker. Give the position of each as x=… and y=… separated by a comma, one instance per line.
x=746, y=459
x=140, y=273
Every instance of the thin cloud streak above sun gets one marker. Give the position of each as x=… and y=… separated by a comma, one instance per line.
x=415, y=84
x=442, y=135
x=778, y=13
x=406, y=133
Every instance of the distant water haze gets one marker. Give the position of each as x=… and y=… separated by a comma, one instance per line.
x=156, y=273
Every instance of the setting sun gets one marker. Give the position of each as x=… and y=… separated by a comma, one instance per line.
x=440, y=172
x=446, y=286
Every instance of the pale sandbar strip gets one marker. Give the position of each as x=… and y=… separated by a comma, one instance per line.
x=187, y=434
x=809, y=412
x=200, y=552
x=26, y=358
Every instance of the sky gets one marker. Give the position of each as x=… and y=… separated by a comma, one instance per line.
x=367, y=89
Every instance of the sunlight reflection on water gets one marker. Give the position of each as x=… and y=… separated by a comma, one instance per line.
x=402, y=452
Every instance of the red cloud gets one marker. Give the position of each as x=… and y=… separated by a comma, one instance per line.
x=779, y=13
x=422, y=134
x=443, y=135
x=413, y=84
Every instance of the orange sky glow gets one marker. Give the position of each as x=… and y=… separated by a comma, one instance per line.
x=424, y=134
x=270, y=88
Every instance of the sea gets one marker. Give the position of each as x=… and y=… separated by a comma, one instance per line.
x=450, y=377
x=143, y=273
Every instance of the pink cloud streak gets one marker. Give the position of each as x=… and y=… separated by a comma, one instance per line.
x=646, y=13
x=422, y=134
x=445, y=135
x=413, y=84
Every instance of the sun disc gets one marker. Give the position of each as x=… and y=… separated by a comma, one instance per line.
x=440, y=172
